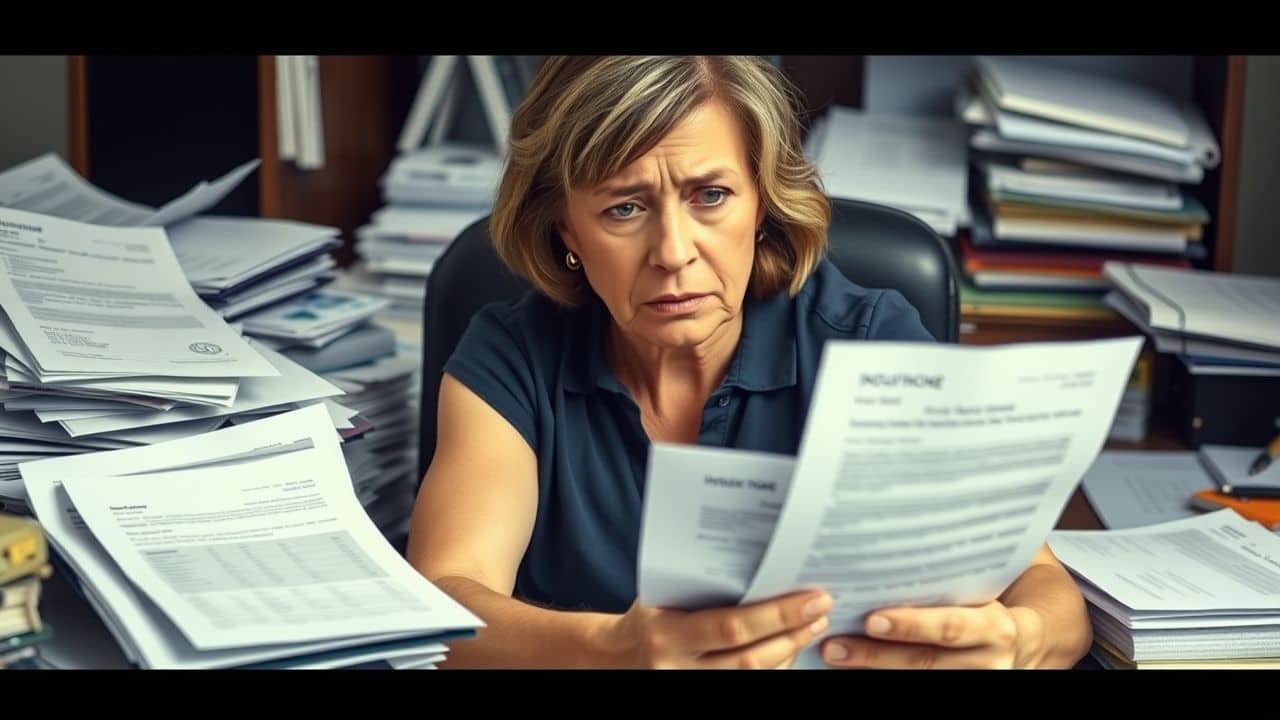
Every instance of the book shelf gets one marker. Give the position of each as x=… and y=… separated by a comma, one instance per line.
x=148, y=128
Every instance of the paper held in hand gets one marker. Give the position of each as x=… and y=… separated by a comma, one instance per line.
x=927, y=475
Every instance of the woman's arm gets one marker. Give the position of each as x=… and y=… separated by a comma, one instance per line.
x=1039, y=622
x=471, y=525
x=1052, y=619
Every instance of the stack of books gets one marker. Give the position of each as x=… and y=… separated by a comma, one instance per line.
x=1068, y=171
x=1202, y=591
x=24, y=565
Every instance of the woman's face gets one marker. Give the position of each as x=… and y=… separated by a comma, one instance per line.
x=668, y=243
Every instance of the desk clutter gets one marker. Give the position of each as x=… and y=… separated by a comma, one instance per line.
x=124, y=326
x=1072, y=197
x=1186, y=575
x=241, y=547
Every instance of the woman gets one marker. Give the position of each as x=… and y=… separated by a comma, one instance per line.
x=664, y=211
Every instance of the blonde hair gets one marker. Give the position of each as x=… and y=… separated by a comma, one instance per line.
x=585, y=118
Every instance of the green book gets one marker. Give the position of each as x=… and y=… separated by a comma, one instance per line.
x=970, y=295
x=1192, y=210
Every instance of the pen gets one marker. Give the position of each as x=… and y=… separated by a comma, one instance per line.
x=1263, y=461
x=1251, y=491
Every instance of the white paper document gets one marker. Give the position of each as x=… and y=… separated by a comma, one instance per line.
x=1236, y=307
x=1211, y=563
x=931, y=474
x=47, y=185
x=92, y=299
x=1136, y=488
x=915, y=164
x=709, y=514
x=293, y=384
x=256, y=560
x=220, y=252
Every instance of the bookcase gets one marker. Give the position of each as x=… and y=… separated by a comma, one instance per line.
x=147, y=128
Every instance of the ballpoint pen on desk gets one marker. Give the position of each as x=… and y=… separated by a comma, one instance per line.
x=1263, y=476
x=1264, y=458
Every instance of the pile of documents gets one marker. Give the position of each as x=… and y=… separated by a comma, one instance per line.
x=949, y=469
x=24, y=565
x=915, y=164
x=1070, y=170
x=432, y=195
x=1198, y=592
x=383, y=461
x=269, y=276
x=244, y=547
x=1216, y=323
x=445, y=175
x=239, y=265
x=104, y=342
x=235, y=264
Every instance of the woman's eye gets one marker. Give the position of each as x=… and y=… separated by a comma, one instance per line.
x=625, y=210
x=712, y=196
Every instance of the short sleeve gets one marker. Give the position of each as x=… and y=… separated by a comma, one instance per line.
x=894, y=318
x=491, y=362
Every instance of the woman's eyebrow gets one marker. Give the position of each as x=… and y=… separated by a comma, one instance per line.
x=637, y=187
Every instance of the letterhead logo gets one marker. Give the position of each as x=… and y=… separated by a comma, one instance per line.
x=901, y=380
x=205, y=348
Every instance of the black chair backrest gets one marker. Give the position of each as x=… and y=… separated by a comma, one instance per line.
x=872, y=245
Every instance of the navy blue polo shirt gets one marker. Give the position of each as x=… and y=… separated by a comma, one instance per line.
x=545, y=370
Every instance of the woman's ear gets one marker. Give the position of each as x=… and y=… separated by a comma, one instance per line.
x=567, y=237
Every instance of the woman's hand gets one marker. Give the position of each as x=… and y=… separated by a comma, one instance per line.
x=766, y=634
x=990, y=636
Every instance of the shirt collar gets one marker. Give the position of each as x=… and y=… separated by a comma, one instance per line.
x=764, y=360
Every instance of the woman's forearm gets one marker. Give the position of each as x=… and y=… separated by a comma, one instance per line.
x=520, y=635
x=1053, y=622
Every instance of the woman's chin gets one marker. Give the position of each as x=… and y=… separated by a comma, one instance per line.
x=679, y=332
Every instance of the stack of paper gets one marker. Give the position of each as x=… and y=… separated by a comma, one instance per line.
x=383, y=461
x=1071, y=170
x=104, y=344
x=915, y=164
x=236, y=264
x=1197, y=589
x=239, y=265
x=244, y=547
x=316, y=318
x=432, y=195
x=1216, y=323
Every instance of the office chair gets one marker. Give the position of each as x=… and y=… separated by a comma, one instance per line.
x=873, y=245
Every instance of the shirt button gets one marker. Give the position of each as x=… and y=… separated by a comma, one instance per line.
x=723, y=401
